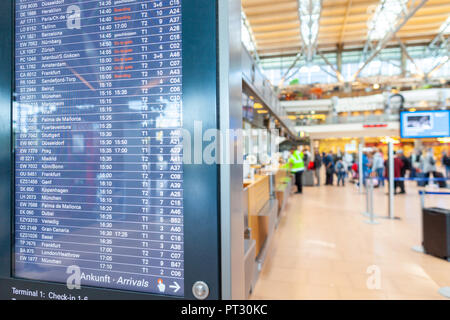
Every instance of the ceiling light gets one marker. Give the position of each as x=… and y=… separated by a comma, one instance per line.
x=387, y=140
x=444, y=140
x=304, y=69
x=314, y=69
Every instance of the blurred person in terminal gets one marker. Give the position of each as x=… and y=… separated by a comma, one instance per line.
x=406, y=165
x=415, y=160
x=428, y=164
x=354, y=172
x=398, y=168
x=367, y=164
x=328, y=162
x=296, y=165
x=307, y=157
x=317, y=166
x=340, y=171
x=348, y=161
x=335, y=156
x=446, y=163
x=378, y=167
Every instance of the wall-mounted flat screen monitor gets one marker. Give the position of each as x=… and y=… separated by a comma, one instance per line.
x=425, y=124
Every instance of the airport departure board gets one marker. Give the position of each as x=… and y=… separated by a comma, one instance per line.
x=97, y=122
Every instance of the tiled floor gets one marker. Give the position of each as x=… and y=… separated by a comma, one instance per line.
x=322, y=249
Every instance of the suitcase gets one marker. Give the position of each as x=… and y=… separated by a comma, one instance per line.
x=441, y=183
x=421, y=183
x=308, y=178
x=436, y=232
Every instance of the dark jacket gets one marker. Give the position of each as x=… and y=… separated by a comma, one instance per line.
x=406, y=165
x=446, y=161
x=317, y=161
x=328, y=161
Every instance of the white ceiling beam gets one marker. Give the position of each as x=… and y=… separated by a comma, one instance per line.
x=383, y=42
x=310, y=12
x=335, y=70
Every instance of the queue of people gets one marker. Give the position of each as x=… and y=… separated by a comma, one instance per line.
x=420, y=164
x=333, y=164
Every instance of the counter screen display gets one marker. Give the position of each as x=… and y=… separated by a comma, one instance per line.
x=98, y=143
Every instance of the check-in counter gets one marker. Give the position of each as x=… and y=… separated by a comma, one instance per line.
x=283, y=185
x=249, y=265
x=249, y=249
x=262, y=211
x=258, y=193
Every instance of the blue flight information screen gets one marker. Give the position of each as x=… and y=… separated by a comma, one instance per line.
x=425, y=124
x=97, y=122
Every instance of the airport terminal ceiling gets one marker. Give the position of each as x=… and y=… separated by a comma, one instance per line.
x=342, y=23
x=328, y=41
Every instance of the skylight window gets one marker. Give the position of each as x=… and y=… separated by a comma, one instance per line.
x=247, y=35
x=385, y=17
x=445, y=27
x=309, y=12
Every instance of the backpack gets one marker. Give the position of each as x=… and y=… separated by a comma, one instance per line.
x=432, y=161
x=446, y=160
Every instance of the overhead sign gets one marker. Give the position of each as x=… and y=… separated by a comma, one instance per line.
x=377, y=125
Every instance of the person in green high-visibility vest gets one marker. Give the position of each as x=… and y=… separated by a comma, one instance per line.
x=297, y=166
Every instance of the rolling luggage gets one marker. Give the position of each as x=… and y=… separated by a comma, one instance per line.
x=308, y=178
x=436, y=232
x=441, y=183
x=421, y=183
